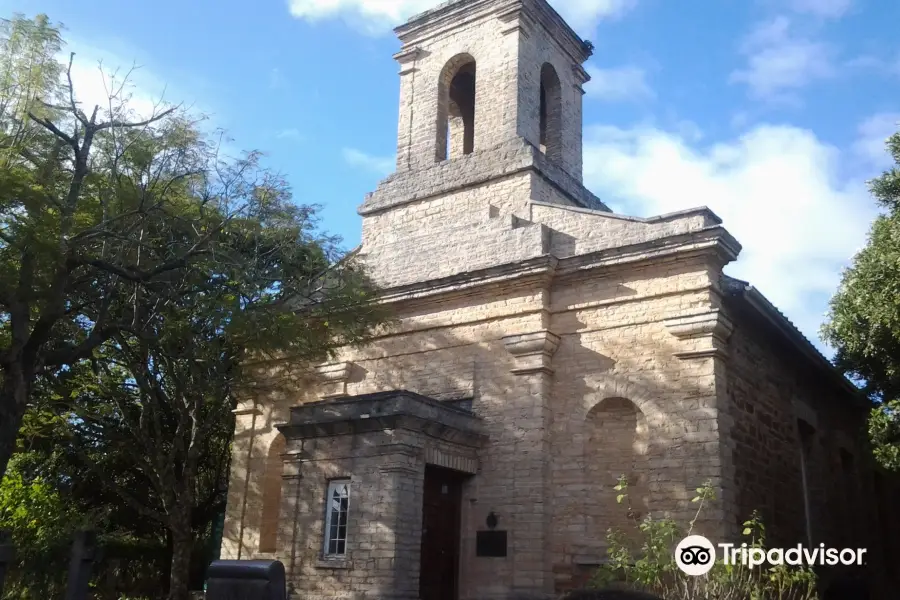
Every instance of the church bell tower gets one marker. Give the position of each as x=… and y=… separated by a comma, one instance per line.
x=490, y=121
x=480, y=73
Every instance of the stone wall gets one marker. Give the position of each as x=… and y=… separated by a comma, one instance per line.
x=626, y=404
x=580, y=231
x=768, y=397
x=780, y=402
x=538, y=473
x=455, y=250
x=536, y=50
x=625, y=383
x=254, y=465
x=384, y=487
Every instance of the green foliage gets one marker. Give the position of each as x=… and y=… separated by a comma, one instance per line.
x=29, y=80
x=646, y=562
x=42, y=523
x=864, y=319
x=35, y=513
x=144, y=277
x=886, y=188
x=884, y=431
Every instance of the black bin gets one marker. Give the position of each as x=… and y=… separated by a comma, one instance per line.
x=246, y=580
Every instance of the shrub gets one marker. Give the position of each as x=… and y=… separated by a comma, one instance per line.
x=649, y=563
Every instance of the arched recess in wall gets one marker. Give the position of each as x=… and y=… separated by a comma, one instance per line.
x=551, y=113
x=271, y=496
x=616, y=444
x=456, y=108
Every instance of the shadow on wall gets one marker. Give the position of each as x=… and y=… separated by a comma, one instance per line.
x=597, y=434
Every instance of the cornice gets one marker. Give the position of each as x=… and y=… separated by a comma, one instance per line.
x=407, y=59
x=701, y=335
x=507, y=159
x=536, y=270
x=709, y=240
x=520, y=13
x=369, y=413
x=444, y=17
x=247, y=408
x=546, y=268
x=533, y=352
x=333, y=379
x=709, y=324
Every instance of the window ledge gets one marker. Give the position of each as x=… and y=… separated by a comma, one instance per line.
x=333, y=563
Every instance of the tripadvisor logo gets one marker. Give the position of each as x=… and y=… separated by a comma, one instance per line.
x=696, y=555
x=796, y=556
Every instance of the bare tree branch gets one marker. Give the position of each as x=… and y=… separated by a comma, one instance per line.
x=74, y=107
x=47, y=124
x=127, y=125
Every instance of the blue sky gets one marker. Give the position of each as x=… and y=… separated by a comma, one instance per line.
x=771, y=112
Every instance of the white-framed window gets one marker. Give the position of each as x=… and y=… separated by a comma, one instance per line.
x=337, y=508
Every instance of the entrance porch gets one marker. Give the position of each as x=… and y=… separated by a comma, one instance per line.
x=372, y=496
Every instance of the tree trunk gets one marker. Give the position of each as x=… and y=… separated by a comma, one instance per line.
x=182, y=544
x=13, y=401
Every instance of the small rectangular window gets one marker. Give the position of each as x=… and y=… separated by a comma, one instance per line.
x=337, y=507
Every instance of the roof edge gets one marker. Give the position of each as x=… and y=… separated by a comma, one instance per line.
x=670, y=216
x=539, y=11
x=764, y=307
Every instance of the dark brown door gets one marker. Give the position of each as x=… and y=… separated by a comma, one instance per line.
x=440, y=534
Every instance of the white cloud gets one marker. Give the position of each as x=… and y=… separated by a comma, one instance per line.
x=829, y=9
x=779, y=62
x=617, y=84
x=777, y=189
x=584, y=15
x=291, y=133
x=872, y=134
x=376, y=17
x=881, y=65
x=380, y=165
x=99, y=74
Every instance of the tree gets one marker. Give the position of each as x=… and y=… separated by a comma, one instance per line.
x=137, y=551
x=141, y=271
x=29, y=73
x=161, y=400
x=63, y=214
x=864, y=319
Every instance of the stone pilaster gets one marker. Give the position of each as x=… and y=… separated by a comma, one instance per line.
x=288, y=526
x=401, y=478
x=234, y=543
x=530, y=414
x=703, y=350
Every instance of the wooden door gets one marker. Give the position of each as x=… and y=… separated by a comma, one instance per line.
x=439, y=569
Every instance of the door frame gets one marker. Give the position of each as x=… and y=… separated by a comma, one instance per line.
x=456, y=479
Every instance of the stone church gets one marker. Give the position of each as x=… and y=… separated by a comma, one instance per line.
x=544, y=346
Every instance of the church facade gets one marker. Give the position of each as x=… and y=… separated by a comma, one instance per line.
x=544, y=347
